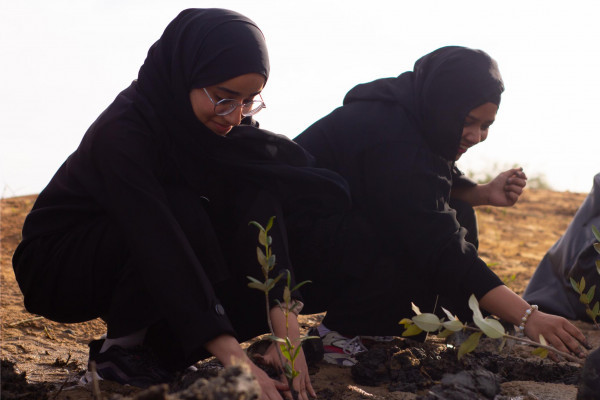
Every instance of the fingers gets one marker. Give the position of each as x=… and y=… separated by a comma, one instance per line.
x=559, y=333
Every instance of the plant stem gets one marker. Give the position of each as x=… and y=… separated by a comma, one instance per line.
x=536, y=344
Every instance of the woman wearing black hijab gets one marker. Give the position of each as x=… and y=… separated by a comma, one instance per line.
x=395, y=141
x=146, y=224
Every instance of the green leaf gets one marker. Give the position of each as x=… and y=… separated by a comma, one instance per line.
x=296, y=352
x=254, y=279
x=275, y=338
x=574, y=284
x=287, y=298
x=298, y=286
x=262, y=259
x=590, y=293
x=406, y=322
x=415, y=309
x=540, y=352
x=453, y=326
x=474, y=306
x=596, y=233
x=262, y=238
x=271, y=262
x=597, y=247
x=583, y=298
x=598, y=266
x=304, y=338
x=256, y=284
x=259, y=286
x=256, y=224
x=412, y=330
x=543, y=340
x=449, y=314
x=582, y=285
x=427, y=321
x=444, y=334
x=469, y=345
x=285, y=352
x=270, y=223
x=596, y=309
x=491, y=327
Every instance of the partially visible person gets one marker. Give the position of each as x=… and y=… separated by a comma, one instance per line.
x=396, y=141
x=146, y=224
x=572, y=256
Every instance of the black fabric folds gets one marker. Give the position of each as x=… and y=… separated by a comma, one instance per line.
x=148, y=170
x=395, y=141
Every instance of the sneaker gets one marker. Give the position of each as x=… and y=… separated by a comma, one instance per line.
x=340, y=350
x=135, y=366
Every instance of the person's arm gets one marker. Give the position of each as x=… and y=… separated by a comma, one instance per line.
x=502, y=191
x=558, y=332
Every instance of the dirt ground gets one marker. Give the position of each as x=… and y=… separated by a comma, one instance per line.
x=512, y=241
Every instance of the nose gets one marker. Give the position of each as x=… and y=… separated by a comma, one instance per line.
x=235, y=118
x=476, y=135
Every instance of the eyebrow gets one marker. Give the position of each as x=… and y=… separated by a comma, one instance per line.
x=491, y=121
x=235, y=93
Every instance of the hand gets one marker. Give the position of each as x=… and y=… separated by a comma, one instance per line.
x=270, y=388
x=302, y=383
x=505, y=189
x=227, y=350
x=558, y=332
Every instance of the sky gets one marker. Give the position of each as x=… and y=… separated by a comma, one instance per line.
x=63, y=62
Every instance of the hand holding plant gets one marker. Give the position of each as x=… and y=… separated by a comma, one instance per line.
x=491, y=327
x=286, y=348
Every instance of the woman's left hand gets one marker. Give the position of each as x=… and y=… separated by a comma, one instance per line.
x=505, y=189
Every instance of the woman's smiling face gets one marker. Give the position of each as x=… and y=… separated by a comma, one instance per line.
x=476, y=126
x=242, y=88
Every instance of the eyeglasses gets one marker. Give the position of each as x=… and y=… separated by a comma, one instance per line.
x=227, y=106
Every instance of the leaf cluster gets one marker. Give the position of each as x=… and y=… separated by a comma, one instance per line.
x=443, y=328
x=587, y=298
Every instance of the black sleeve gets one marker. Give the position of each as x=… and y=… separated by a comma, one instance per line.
x=124, y=160
x=408, y=194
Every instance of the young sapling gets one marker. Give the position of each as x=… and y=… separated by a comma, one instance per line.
x=287, y=348
x=491, y=327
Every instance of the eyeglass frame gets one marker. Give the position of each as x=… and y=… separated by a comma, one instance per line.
x=238, y=104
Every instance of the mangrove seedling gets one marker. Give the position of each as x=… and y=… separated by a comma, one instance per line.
x=287, y=348
x=491, y=327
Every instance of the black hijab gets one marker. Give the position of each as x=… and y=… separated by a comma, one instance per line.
x=204, y=47
x=444, y=86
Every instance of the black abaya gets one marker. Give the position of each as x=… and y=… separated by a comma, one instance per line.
x=146, y=223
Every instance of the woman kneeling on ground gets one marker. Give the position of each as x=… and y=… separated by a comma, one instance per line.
x=146, y=224
x=411, y=235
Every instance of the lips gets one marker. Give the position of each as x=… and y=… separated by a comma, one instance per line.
x=221, y=129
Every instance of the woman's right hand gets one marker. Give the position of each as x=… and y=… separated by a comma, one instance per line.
x=558, y=332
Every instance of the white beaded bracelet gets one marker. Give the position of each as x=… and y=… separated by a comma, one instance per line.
x=528, y=312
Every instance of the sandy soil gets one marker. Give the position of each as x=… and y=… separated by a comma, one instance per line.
x=513, y=241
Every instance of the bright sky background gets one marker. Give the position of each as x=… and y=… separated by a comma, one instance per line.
x=63, y=62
